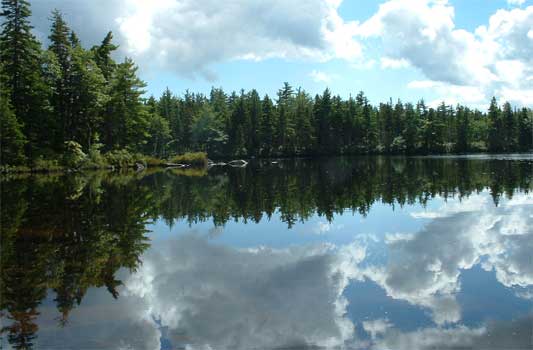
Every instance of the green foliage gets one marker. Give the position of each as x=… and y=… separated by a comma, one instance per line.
x=95, y=159
x=12, y=139
x=41, y=164
x=398, y=145
x=43, y=255
x=153, y=162
x=121, y=158
x=67, y=93
x=73, y=156
x=196, y=158
x=207, y=132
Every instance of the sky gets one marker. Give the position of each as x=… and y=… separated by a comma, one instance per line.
x=457, y=51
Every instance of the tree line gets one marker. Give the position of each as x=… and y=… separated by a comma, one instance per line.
x=52, y=97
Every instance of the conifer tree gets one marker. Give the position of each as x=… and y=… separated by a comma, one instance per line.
x=496, y=136
x=267, y=126
x=20, y=56
x=12, y=139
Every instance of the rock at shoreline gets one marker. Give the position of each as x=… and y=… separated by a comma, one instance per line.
x=238, y=163
x=176, y=165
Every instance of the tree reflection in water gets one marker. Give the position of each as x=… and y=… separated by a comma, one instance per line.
x=63, y=234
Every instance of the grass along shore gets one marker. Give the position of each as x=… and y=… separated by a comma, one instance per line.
x=74, y=159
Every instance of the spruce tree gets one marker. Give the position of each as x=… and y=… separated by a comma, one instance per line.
x=20, y=56
x=525, y=124
x=62, y=99
x=12, y=140
x=102, y=56
x=127, y=123
x=508, y=117
x=254, y=111
x=496, y=136
x=267, y=126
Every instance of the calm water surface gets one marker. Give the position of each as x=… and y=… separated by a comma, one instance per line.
x=351, y=253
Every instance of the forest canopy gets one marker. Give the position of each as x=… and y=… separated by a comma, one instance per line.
x=67, y=98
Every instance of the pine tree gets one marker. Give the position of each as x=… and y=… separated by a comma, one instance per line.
x=237, y=126
x=102, y=56
x=284, y=129
x=462, y=130
x=127, y=124
x=304, y=129
x=254, y=111
x=267, y=126
x=89, y=97
x=12, y=140
x=20, y=56
x=158, y=129
x=496, y=136
x=169, y=109
x=525, y=137
x=62, y=100
x=386, y=117
x=322, y=113
x=411, y=128
x=510, y=128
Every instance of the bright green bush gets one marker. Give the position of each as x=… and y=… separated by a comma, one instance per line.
x=194, y=158
x=119, y=158
x=41, y=164
x=124, y=159
x=95, y=159
x=73, y=156
x=153, y=162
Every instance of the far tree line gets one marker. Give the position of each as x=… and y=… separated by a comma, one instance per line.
x=51, y=97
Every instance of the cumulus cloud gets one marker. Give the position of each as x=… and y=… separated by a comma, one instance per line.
x=190, y=36
x=392, y=63
x=425, y=267
x=495, y=59
x=196, y=294
x=515, y=334
x=105, y=323
x=376, y=327
x=320, y=77
x=209, y=296
x=323, y=227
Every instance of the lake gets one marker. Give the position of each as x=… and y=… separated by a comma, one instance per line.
x=353, y=253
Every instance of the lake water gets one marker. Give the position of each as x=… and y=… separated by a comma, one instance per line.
x=352, y=253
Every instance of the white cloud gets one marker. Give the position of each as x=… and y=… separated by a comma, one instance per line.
x=376, y=327
x=466, y=66
x=451, y=94
x=189, y=36
x=215, y=297
x=424, y=268
x=515, y=334
x=320, y=77
x=392, y=63
x=204, y=295
x=363, y=64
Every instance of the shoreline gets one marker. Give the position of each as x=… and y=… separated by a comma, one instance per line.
x=207, y=163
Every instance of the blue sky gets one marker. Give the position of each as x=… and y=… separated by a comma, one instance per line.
x=457, y=51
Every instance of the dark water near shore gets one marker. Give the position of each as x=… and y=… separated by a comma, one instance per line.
x=351, y=253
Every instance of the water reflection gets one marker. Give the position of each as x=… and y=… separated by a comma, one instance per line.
x=61, y=236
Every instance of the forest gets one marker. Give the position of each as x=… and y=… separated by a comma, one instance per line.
x=66, y=100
